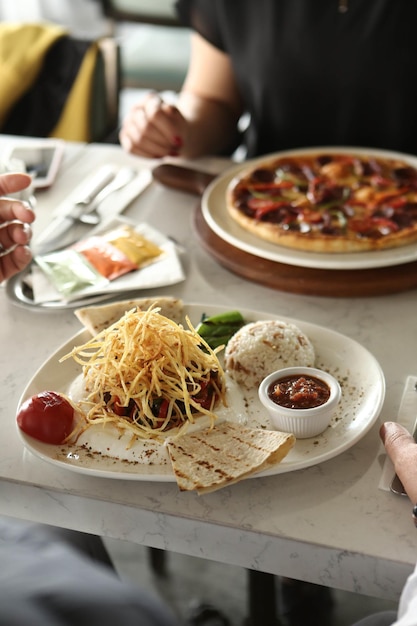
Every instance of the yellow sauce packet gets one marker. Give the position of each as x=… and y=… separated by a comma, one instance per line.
x=135, y=246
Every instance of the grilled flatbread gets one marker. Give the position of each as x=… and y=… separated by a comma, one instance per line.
x=208, y=460
x=97, y=318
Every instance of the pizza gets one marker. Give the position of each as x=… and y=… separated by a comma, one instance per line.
x=328, y=201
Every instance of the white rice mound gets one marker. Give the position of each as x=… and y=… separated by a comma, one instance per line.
x=259, y=348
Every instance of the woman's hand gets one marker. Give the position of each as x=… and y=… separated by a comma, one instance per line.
x=205, y=119
x=15, y=232
x=153, y=129
x=402, y=450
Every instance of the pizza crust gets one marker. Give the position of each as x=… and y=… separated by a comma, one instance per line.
x=320, y=243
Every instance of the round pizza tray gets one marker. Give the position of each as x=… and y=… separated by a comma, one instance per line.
x=305, y=280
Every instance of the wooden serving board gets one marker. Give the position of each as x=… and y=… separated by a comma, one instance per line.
x=280, y=276
x=303, y=280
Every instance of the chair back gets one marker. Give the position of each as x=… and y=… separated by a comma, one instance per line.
x=66, y=88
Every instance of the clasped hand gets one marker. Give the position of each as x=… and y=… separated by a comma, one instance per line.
x=153, y=129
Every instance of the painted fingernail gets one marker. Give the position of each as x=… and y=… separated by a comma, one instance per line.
x=177, y=141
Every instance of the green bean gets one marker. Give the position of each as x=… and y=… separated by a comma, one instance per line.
x=215, y=331
x=230, y=317
x=218, y=329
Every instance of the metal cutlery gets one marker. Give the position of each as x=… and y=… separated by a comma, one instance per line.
x=90, y=215
x=100, y=182
x=83, y=211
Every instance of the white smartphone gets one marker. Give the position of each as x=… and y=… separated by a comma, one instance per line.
x=41, y=159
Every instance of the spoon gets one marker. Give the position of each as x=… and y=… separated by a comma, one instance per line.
x=91, y=216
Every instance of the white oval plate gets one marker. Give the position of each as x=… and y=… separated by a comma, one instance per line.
x=363, y=392
x=217, y=217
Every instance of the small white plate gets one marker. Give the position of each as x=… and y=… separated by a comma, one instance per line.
x=360, y=376
x=21, y=293
x=31, y=288
x=217, y=217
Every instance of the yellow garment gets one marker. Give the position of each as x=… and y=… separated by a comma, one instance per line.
x=22, y=51
x=74, y=123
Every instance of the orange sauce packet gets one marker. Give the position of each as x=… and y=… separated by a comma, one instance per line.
x=107, y=259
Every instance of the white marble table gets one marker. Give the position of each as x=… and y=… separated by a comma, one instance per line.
x=329, y=524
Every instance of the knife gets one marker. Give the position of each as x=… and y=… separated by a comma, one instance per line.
x=58, y=227
x=408, y=406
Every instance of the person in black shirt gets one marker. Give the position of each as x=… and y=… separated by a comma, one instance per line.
x=328, y=72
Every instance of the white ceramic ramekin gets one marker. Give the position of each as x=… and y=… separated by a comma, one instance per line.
x=302, y=422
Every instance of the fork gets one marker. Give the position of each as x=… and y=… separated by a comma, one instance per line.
x=88, y=208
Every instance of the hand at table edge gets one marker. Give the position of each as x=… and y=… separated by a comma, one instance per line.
x=402, y=450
